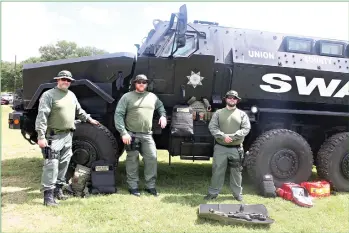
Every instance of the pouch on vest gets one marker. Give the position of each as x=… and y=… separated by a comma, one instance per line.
x=182, y=121
x=267, y=186
x=103, y=177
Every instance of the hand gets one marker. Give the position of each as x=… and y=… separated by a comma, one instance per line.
x=93, y=121
x=42, y=143
x=163, y=122
x=228, y=139
x=126, y=139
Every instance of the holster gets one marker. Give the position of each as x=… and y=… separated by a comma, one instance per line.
x=233, y=163
x=134, y=145
x=47, y=151
x=241, y=153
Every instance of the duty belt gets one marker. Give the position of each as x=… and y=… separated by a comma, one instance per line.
x=229, y=146
x=59, y=131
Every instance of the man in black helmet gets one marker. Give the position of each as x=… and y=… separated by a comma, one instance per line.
x=133, y=119
x=229, y=126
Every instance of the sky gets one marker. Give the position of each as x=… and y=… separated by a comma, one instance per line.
x=117, y=26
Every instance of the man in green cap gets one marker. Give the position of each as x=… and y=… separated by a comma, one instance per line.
x=133, y=119
x=229, y=126
x=54, y=124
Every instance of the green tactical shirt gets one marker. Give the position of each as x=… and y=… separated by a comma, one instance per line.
x=57, y=110
x=234, y=123
x=135, y=111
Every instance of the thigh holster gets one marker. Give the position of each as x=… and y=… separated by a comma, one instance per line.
x=234, y=163
x=135, y=145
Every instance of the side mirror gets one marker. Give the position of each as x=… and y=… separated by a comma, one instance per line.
x=181, y=26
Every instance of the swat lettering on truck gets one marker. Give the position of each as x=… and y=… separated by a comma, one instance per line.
x=294, y=90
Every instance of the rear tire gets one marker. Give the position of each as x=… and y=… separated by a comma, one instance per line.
x=91, y=143
x=333, y=161
x=282, y=153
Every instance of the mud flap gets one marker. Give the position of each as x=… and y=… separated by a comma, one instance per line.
x=256, y=214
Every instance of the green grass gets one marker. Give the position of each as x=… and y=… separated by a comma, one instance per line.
x=181, y=186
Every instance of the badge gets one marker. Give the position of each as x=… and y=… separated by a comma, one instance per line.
x=195, y=79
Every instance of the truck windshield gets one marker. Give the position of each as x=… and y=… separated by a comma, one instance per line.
x=188, y=49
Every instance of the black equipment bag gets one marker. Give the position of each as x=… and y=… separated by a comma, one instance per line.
x=103, y=177
x=267, y=186
x=182, y=121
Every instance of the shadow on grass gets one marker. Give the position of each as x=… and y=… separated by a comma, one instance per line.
x=181, y=178
x=182, y=182
x=20, y=180
x=201, y=221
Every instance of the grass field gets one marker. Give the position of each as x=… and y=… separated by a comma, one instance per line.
x=181, y=186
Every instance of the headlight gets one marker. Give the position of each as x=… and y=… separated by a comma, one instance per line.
x=254, y=109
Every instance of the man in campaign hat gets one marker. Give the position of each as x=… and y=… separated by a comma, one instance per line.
x=54, y=124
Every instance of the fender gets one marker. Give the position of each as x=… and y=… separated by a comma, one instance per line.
x=79, y=82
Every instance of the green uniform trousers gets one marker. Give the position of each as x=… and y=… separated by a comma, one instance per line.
x=147, y=149
x=220, y=163
x=54, y=170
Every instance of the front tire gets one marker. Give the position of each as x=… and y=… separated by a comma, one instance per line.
x=282, y=153
x=91, y=143
x=333, y=161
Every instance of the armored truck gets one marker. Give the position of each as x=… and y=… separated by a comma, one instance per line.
x=295, y=90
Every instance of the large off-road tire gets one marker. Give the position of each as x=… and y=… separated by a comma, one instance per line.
x=282, y=153
x=333, y=161
x=91, y=143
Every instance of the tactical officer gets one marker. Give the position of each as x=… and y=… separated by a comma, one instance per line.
x=133, y=119
x=229, y=126
x=55, y=125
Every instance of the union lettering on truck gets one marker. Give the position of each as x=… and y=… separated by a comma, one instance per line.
x=261, y=54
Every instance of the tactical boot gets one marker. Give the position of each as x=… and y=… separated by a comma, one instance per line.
x=238, y=198
x=152, y=191
x=49, y=199
x=58, y=193
x=134, y=192
x=210, y=196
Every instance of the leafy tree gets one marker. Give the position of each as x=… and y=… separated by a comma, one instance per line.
x=11, y=79
x=9, y=76
x=65, y=49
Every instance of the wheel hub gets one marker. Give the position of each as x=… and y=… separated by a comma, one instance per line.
x=84, y=153
x=345, y=166
x=284, y=164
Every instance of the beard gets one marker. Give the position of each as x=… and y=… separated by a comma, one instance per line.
x=231, y=104
x=63, y=87
x=140, y=89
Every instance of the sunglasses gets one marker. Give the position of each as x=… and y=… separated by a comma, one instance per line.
x=141, y=82
x=231, y=97
x=66, y=79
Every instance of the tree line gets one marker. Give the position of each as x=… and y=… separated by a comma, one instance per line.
x=11, y=72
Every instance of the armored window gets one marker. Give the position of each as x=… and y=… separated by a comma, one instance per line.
x=328, y=48
x=189, y=48
x=299, y=45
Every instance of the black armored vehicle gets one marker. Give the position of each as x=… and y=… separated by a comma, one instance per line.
x=295, y=90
